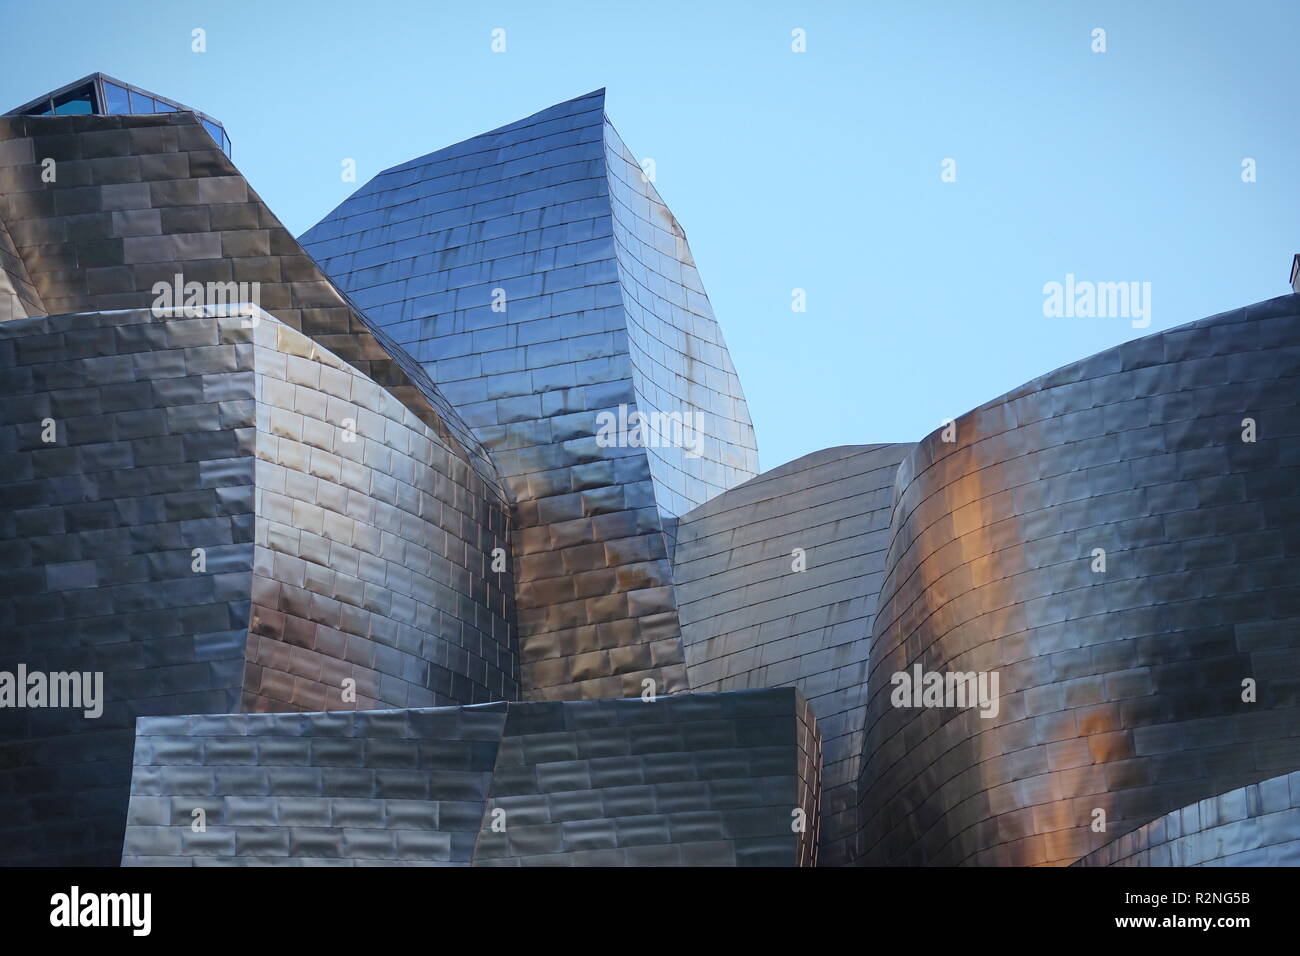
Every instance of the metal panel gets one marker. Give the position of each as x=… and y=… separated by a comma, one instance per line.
x=138, y=200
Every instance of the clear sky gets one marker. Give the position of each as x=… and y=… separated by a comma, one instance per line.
x=818, y=170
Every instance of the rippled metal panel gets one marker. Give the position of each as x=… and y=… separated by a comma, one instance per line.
x=325, y=559
x=693, y=780
x=598, y=306
x=1121, y=690
x=751, y=619
x=1255, y=825
x=700, y=779
x=380, y=787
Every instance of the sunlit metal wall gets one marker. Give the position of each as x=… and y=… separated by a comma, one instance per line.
x=547, y=290
x=1117, y=541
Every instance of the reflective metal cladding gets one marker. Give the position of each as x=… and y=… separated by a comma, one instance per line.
x=697, y=780
x=776, y=585
x=440, y=539
x=539, y=278
x=1117, y=541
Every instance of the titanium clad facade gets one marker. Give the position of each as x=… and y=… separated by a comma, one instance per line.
x=252, y=505
x=708, y=779
x=1121, y=689
x=750, y=619
x=374, y=549
x=1255, y=825
x=320, y=559
x=692, y=780
x=543, y=286
x=380, y=787
x=139, y=200
x=152, y=435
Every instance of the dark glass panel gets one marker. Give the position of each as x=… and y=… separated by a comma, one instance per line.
x=79, y=101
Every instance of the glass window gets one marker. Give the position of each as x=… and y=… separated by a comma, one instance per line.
x=79, y=106
x=42, y=110
x=115, y=99
x=141, y=103
x=225, y=143
x=160, y=107
x=79, y=101
x=213, y=130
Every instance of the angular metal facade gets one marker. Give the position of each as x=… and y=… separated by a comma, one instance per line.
x=680, y=364
x=288, y=518
x=18, y=297
x=542, y=284
x=708, y=779
x=149, y=459
x=137, y=200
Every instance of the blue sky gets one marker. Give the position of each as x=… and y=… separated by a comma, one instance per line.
x=817, y=170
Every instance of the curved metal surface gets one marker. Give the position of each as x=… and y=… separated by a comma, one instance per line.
x=756, y=612
x=141, y=199
x=1255, y=825
x=1121, y=689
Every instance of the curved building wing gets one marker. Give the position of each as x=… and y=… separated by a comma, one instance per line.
x=776, y=586
x=1116, y=542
